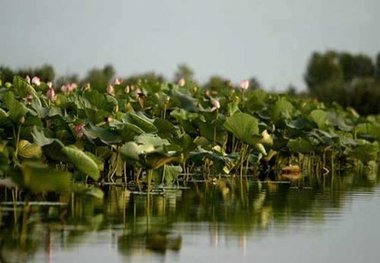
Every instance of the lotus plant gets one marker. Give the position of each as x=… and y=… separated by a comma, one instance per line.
x=50, y=94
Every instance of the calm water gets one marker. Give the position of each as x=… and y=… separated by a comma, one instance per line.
x=330, y=220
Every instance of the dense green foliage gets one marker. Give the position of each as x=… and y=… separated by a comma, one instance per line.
x=351, y=80
x=154, y=131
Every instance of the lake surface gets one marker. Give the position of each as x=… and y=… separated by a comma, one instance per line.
x=320, y=220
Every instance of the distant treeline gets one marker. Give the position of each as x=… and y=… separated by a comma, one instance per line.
x=352, y=80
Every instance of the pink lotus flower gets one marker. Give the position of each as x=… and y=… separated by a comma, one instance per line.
x=244, y=84
x=36, y=81
x=215, y=103
x=73, y=86
x=181, y=82
x=65, y=88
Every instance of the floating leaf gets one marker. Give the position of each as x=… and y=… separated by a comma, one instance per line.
x=83, y=162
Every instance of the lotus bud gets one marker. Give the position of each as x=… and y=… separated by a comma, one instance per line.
x=49, y=84
x=181, y=82
x=215, y=103
x=22, y=119
x=127, y=89
x=36, y=81
x=110, y=90
x=244, y=85
x=27, y=78
x=50, y=94
x=79, y=130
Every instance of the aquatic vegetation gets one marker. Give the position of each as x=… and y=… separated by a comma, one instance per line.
x=154, y=134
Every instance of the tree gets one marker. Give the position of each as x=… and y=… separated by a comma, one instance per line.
x=100, y=78
x=322, y=69
x=364, y=67
x=183, y=72
x=377, y=67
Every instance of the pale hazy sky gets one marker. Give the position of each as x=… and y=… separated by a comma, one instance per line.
x=269, y=39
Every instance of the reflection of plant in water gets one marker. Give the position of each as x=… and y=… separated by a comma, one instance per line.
x=150, y=221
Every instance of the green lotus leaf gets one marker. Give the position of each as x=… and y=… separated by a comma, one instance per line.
x=185, y=101
x=149, y=139
x=16, y=109
x=97, y=100
x=23, y=88
x=4, y=120
x=320, y=118
x=368, y=131
x=40, y=138
x=141, y=121
x=213, y=131
x=82, y=161
x=256, y=100
x=366, y=152
x=171, y=172
x=106, y=135
x=282, y=109
x=130, y=150
x=300, y=145
x=244, y=127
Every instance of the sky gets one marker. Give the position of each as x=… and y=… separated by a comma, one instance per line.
x=270, y=40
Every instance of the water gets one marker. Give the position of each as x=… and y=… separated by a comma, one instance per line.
x=330, y=220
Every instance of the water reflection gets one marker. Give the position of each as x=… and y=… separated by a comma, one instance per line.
x=126, y=225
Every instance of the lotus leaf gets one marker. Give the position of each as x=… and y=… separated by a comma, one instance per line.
x=82, y=161
x=244, y=127
x=29, y=150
